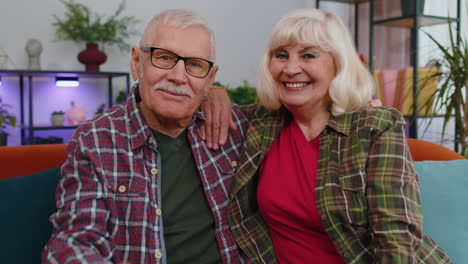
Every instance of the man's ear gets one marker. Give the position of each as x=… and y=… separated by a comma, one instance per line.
x=135, y=59
x=210, y=80
x=212, y=74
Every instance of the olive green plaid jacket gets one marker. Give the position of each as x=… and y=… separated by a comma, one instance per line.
x=367, y=191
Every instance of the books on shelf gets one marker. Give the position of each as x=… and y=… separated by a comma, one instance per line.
x=389, y=81
x=395, y=88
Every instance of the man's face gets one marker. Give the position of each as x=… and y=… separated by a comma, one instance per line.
x=172, y=93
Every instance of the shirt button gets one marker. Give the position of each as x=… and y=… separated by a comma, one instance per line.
x=234, y=163
x=158, y=211
x=150, y=140
x=158, y=254
x=154, y=171
x=122, y=188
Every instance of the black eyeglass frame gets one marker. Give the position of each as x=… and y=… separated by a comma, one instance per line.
x=152, y=49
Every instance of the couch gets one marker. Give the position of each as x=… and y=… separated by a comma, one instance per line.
x=31, y=173
x=26, y=202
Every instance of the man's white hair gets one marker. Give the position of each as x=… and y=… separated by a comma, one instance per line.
x=181, y=18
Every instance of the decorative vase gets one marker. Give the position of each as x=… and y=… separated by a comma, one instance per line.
x=92, y=57
x=408, y=7
x=76, y=114
x=57, y=120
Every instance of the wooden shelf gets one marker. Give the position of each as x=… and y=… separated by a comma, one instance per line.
x=46, y=127
x=409, y=22
x=61, y=73
x=347, y=1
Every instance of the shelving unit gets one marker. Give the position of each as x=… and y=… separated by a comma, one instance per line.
x=413, y=23
x=408, y=22
x=356, y=4
x=27, y=126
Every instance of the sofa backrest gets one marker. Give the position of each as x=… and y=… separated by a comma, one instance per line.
x=26, y=204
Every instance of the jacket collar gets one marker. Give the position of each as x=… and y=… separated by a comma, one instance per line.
x=341, y=123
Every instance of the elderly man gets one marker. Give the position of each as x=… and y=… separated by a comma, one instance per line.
x=139, y=184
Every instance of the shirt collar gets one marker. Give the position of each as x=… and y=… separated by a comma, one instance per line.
x=137, y=129
x=340, y=123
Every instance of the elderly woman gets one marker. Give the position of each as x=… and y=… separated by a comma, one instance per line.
x=324, y=178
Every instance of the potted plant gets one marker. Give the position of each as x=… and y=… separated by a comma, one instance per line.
x=57, y=118
x=121, y=97
x=6, y=119
x=242, y=95
x=80, y=25
x=453, y=73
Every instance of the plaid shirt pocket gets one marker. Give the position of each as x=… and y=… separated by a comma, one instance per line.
x=130, y=186
x=225, y=166
x=127, y=209
x=353, y=185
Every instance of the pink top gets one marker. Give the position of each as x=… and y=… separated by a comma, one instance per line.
x=287, y=202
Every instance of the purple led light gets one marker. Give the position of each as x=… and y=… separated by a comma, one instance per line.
x=67, y=81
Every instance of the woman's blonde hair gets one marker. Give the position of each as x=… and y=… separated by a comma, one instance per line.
x=353, y=85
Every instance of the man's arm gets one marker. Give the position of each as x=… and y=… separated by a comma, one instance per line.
x=217, y=109
x=80, y=223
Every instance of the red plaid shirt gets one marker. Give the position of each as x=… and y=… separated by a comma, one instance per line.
x=109, y=199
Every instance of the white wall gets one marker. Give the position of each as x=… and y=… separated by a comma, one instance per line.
x=241, y=28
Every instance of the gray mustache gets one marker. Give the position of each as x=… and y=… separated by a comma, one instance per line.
x=172, y=88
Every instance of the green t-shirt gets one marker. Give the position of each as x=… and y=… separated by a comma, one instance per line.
x=189, y=231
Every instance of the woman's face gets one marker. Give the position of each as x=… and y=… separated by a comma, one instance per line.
x=303, y=75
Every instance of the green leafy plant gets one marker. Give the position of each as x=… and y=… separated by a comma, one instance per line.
x=6, y=119
x=121, y=97
x=453, y=73
x=81, y=25
x=58, y=113
x=241, y=95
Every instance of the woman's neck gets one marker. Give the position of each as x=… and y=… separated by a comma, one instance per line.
x=312, y=122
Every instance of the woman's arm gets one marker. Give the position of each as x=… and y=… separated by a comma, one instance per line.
x=394, y=206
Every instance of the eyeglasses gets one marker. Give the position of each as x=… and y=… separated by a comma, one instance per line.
x=166, y=59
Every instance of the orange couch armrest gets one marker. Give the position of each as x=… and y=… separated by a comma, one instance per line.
x=425, y=150
x=24, y=160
